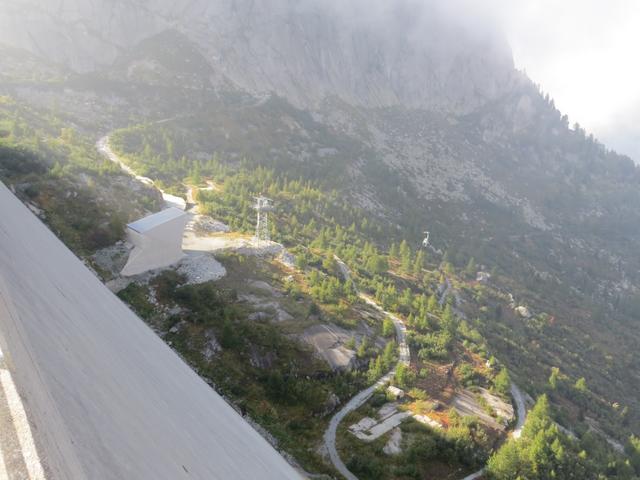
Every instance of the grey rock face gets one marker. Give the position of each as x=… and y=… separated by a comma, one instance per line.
x=405, y=53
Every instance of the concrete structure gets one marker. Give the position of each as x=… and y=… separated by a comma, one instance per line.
x=106, y=398
x=157, y=241
x=263, y=206
x=395, y=392
x=389, y=418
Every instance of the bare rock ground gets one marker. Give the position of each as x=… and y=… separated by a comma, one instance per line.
x=200, y=267
x=466, y=403
x=113, y=259
x=393, y=446
x=329, y=341
x=267, y=308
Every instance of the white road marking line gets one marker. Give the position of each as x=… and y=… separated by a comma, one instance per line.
x=23, y=430
x=4, y=475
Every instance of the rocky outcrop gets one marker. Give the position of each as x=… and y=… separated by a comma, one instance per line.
x=405, y=53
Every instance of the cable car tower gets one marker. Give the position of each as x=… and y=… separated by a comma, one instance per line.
x=263, y=206
x=425, y=242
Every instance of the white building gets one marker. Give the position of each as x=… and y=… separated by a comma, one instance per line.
x=157, y=241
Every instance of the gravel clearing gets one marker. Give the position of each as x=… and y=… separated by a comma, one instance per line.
x=203, y=224
x=200, y=267
x=221, y=243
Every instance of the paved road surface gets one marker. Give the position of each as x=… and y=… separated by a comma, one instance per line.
x=521, y=410
x=19, y=458
x=475, y=475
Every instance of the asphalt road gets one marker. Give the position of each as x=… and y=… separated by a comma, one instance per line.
x=19, y=459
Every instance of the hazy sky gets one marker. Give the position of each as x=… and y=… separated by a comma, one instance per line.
x=586, y=55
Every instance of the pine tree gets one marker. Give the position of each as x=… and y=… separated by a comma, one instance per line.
x=471, y=270
x=362, y=348
x=502, y=382
x=581, y=385
x=553, y=378
x=407, y=298
x=418, y=264
x=393, y=251
x=433, y=306
x=505, y=463
x=405, y=257
x=57, y=170
x=448, y=321
x=389, y=354
x=194, y=175
x=388, y=327
x=404, y=376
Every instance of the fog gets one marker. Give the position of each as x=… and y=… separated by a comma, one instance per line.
x=584, y=54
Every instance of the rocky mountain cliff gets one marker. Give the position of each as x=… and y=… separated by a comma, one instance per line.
x=408, y=53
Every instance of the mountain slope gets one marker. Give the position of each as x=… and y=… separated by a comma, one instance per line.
x=411, y=113
x=411, y=54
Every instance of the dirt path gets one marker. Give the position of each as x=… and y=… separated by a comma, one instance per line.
x=521, y=409
x=105, y=149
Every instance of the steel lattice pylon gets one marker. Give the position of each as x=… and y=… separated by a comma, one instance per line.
x=263, y=206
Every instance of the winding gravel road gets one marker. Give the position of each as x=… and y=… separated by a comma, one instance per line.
x=521, y=416
x=357, y=401
x=105, y=149
x=404, y=357
x=521, y=409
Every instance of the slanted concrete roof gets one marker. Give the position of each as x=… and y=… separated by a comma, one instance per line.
x=152, y=221
x=107, y=398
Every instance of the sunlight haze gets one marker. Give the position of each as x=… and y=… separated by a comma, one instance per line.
x=584, y=54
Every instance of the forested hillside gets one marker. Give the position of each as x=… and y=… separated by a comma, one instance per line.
x=84, y=199
x=315, y=227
